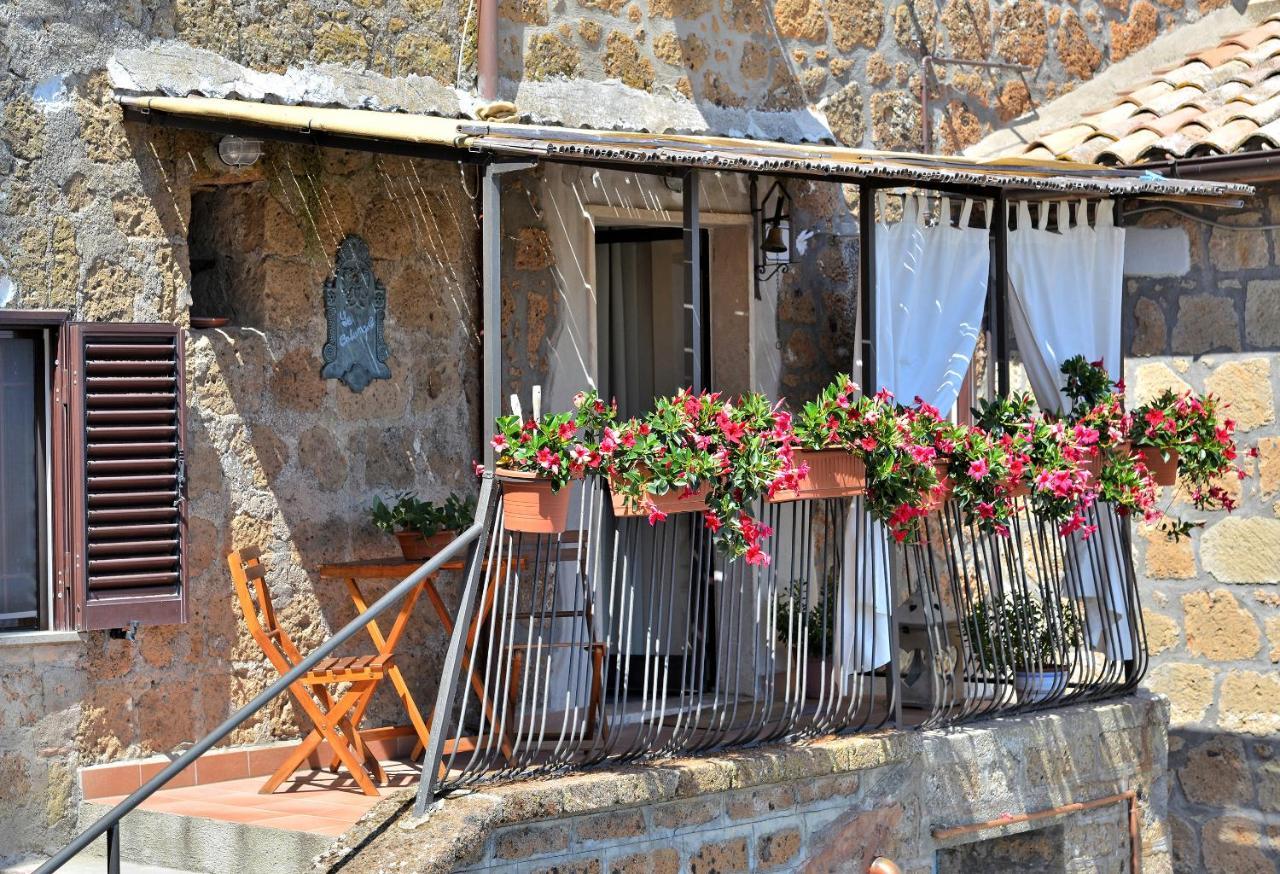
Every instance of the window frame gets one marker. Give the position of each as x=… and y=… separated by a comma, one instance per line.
x=52, y=597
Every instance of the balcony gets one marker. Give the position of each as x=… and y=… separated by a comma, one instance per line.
x=619, y=640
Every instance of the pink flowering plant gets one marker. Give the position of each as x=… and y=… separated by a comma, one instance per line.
x=985, y=472
x=835, y=419
x=898, y=445
x=557, y=447
x=1192, y=426
x=740, y=451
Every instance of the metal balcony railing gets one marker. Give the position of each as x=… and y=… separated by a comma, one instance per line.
x=619, y=640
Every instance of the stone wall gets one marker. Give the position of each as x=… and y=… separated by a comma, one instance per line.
x=857, y=59
x=278, y=456
x=1212, y=603
x=831, y=805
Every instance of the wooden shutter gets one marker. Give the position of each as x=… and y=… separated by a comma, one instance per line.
x=127, y=507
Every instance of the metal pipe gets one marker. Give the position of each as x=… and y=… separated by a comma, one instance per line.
x=1000, y=298
x=110, y=820
x=487, y=49
x=926, y=72
x=1130, y=796
x=690, y=197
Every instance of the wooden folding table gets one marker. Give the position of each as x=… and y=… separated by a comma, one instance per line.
x=351, y=573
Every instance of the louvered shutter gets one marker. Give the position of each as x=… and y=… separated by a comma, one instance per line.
x=127, y=508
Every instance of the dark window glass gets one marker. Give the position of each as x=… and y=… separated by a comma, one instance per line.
x=21, y=523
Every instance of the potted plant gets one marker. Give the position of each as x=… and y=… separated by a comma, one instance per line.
x=737, y=451
x=807, y=631
x=1017, y=633
x=422, y=527
x=826, y=465
x=537, y=457
x=904, y=481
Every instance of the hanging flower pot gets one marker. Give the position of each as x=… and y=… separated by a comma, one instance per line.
x=1163, y=464
x=833, y=473
x=529, y=505
x=673, y=501
x=415, y=547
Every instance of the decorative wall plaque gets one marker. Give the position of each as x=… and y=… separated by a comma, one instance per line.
x=355, y=305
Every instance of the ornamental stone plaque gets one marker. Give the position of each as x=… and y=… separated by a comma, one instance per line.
x=355, y=305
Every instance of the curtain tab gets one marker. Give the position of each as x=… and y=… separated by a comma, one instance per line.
x=1106, y=214
x=1024, y=215
x=1064, y=217
x=965, y=209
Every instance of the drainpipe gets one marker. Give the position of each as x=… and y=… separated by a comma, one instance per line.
x=487, y=50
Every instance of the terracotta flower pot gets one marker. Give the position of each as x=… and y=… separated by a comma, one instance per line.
x=833, y=473
x=415, y=547
x=1163, y=470
x=669, y=503
x=530, y=506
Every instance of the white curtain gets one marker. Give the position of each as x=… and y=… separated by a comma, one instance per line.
x=1066, y=295
x=930, y=291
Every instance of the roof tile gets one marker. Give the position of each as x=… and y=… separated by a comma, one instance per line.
x=1223, y=98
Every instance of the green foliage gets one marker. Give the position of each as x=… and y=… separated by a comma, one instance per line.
x=816, y=621
x=1018, y=632
x=408, y=513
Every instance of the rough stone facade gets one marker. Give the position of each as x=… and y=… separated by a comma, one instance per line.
x=1212, y=603
x=859, y=60
x=832, y=805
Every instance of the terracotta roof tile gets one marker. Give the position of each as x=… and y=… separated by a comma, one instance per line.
x=1223, y=98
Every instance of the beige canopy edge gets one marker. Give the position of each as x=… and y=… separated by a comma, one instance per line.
x=1033, y=177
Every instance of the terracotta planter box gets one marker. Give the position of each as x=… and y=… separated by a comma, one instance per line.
x=529, y=506
x=415, y=547
x=669, y=503
x=833, y=473
x=1163, y=470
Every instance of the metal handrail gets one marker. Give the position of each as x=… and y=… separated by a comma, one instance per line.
x=109, y=823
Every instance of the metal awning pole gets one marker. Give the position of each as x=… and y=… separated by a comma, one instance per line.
x=693, y=273
x=867, y=282
x=1000, y=295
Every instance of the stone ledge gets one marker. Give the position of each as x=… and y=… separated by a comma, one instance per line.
x=457, y=831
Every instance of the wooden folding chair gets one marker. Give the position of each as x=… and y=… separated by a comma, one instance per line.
x=334, y=716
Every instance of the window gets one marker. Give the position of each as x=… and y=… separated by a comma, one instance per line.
x=92, y=491
x=24, y=473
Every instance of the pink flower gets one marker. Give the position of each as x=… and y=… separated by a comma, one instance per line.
x=548, y=460
x=655, y=515
x=757, y=556
x=986, y=510
x=566, y=430
x=868, y=444
x=978, y=469
x=712, y=521
x=499, y=442
x=579, y=454
x=628, y=439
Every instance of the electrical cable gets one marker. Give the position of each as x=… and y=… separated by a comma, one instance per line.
x=1202, y=220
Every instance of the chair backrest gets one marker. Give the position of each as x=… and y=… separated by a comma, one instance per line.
x=249, y=575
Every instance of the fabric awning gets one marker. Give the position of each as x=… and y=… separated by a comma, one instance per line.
x=662, y=151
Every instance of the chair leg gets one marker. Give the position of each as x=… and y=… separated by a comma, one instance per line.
x=341, y=744
x=291, y=764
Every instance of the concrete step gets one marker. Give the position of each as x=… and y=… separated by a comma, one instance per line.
x=204, y=846
x=86, y=864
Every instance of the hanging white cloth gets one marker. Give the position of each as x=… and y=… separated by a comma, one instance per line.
x=1066, y=290
x=930, y=292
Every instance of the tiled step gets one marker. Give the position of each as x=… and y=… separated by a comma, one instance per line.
x=86, y=864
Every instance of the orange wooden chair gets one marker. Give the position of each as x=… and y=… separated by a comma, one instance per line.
x=331, y=714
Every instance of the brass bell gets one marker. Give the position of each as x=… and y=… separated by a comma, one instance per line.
x=774, y=243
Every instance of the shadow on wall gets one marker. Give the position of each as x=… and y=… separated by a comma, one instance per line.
x=278, y=456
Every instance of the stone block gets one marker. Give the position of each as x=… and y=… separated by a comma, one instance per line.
x=778, y=849
x=610, y=826
x=1232, y=250
x=1206, y=323
x=720, y=857
x=1262, y=313
x=524, y=842
x=1246, y=385
x=1167, y=559
x=1218, y=627
x=576, y=866
x=1216, y=773
x=664, y=861
x=320, y=457
x=1242, y=550
x=1234, y=844
x=686, y=814
x=1149, y=330
x=1268, y=465
x=1162, y=632
x=759, y=803
x=1151, y=379
x=1189, y=688
x=1249, y=702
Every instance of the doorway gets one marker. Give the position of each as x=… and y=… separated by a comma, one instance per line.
x=650, y=335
